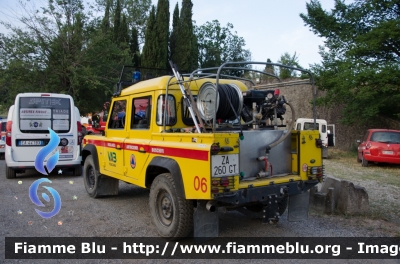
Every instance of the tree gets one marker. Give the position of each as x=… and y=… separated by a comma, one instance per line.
x=186, y=45
x=149, y=52
x=136, y=12
x=173, y=38
x=61, y=50
x=134, y=48
x=162, y=34
x=218, y=45
x=360, y=60
x=288, y=60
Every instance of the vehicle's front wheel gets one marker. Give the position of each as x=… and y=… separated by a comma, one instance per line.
x=10, y=173
x=364, y=162
x=90, y=177
x=171, y=213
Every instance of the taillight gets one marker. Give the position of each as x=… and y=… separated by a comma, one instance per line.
x=215, y=148
x=8, y=133
x=79, y=132
x=224, y=181
x=318, y=142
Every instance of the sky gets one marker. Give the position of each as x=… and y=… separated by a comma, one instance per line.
x=269, y=27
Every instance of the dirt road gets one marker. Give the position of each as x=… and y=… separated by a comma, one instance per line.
x=127, y=215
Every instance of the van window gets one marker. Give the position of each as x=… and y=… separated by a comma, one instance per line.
x=37, y=114
x=323, y=129
x=298, y=126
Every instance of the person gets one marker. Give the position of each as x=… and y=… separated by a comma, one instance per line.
x=121, y=114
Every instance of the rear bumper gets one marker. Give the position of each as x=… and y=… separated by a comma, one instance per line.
x=384, y=159
x=262, y=194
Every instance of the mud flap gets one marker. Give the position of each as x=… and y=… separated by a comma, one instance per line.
x=298, y=207
x=205, y=223
x=107, y=186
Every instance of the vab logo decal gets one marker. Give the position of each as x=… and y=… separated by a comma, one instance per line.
x=46, y=150
x=35, y=199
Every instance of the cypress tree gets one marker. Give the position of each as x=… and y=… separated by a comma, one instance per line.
x=149, y=48
x=162, y=31
x=117, y=22
x=174, y=34
x=134, y=48
x=105, y=23
x=186, y=39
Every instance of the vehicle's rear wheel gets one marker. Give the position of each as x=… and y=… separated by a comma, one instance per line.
x=364, y=162
x=171, y=213
x=10, y=173
x=90, y=177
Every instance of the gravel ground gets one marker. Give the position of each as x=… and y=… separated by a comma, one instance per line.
x=127, y=215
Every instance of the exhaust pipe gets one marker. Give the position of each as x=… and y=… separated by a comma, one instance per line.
x=210, y=206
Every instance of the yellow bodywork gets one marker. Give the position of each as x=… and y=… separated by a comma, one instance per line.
x=127, y=153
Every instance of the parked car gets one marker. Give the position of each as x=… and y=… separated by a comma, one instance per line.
x=379, y=145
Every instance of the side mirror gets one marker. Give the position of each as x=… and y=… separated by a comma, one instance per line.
x=358, y=141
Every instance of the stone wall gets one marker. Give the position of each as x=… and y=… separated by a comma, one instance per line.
x=301, y=96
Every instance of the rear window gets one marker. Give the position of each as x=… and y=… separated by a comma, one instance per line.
x=310, y=126
x=386, y=137
x=37, y=114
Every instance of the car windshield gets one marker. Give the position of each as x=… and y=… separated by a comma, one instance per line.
x=386, y=137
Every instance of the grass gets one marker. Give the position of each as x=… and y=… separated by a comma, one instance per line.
x=381, y=181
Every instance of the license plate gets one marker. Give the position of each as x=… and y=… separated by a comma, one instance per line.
x=387, y=152
x=225, y=165
x=30, y=143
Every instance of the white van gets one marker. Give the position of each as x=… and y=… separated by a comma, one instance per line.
x=27, y=131
x=327, y=135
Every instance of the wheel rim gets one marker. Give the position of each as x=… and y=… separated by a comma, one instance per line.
x=90, y=178
x=165, y=210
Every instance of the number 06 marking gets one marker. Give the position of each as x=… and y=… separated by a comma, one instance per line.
x=200, y=184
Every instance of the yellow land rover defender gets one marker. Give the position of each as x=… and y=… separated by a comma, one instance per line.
x=204, y=141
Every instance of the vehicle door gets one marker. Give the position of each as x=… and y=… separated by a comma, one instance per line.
x=116, y=135
x=136, y=148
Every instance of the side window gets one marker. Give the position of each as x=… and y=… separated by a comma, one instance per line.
x=298, y=126
x=117, y=120
x=186, y=117
x=323, y=129
x=170, y=113
x=141, y=112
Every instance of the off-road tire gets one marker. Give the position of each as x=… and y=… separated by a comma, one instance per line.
x=10, y=173
x=364, y=162
x=171, y=214
x=90, y=177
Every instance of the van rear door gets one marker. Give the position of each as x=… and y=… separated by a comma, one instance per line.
x=33, y=115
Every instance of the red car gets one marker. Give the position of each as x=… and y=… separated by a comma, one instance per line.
x=379, y=145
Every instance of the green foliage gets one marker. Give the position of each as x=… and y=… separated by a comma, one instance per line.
x=360, y=60
x=218, y=45
x=186, y=56
x=61, y=50
x=173, y=38
x=288, y=60
x=149, y=52
x=162, y=33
